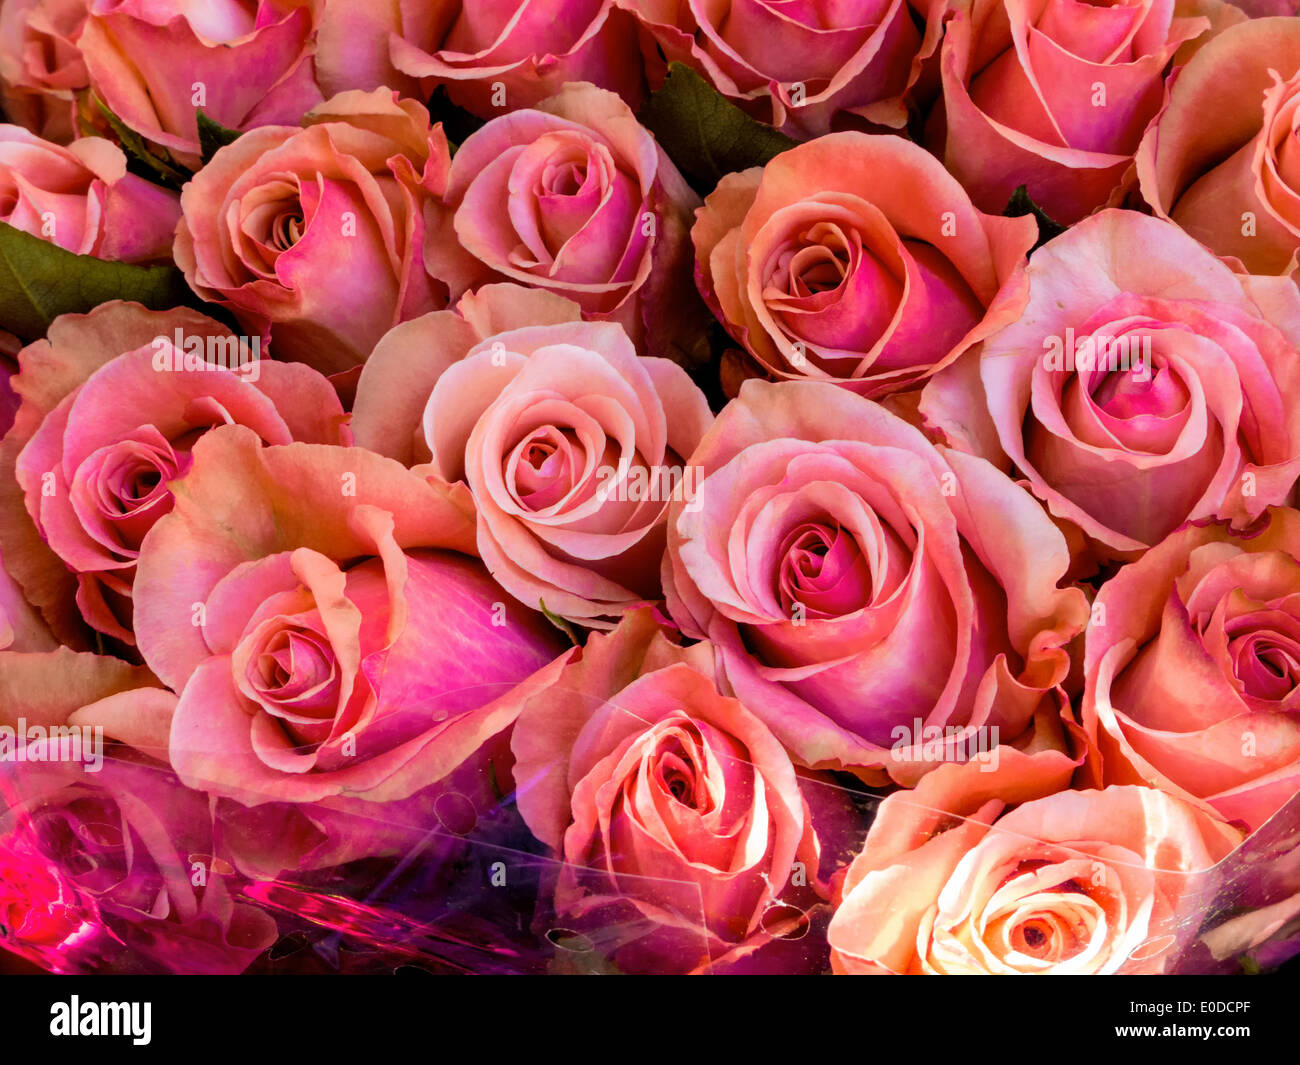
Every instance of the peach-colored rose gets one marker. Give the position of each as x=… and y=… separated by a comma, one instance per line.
x=330, y=234
x=1053, y=95
x=1193, y=661
x=856, y=581
x=83, y=199
x=574, y=196
x=244, y=63
x=820, y=269
x=107, y=423
x=674, y=808
x=41, y=69
x=1223, y=159
x=1003, y=873
x=1144, y=386
x=572, y=445
x=319, y=611
x=806, y=68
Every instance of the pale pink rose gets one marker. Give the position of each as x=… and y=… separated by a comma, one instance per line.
x=1053, y=95
x=492, y=55
x=572, y=445
x=1145, y=386
x=675, y=809
x=41, y=69
x=243, y=63
x=109, y=416
x=331, y=233
x=1002, y=873
x=329, y=632
x=83, y=199
x=1192, y=664
x=864, y=587
x=1233, y=181
x=820, y=269
x=574, y=196
x=806, y=68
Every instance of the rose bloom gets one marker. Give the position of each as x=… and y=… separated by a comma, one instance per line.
x=83, y=199
x=675, y=809
x=107, y=423
x=1143, y=387
x=822, y=270
x=1192, y=665
x=804, y=68
x=1233, y=183
x=980, y=872
x=319, y=611
x=1053, y=95
x=572, y=445
x=856, y=581
x=41, y=69
x=242, y=63
x=574, y=196
x=330, y=233
x=492, y=57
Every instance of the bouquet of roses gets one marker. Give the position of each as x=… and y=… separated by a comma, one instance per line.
x=647, y=486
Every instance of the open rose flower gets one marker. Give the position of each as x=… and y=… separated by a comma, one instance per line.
x=1002, y=873
x=321, y=614
x=1053, y=95
x=83, y=199
x=674, y=808
x=857, y=581
x=243, y=63
x=492, y=57
x=111, y=409
x=572, y=445
x=332, y=233
x=1223, y=160
x=804, y=68
x=822, y=270
x=574, y=196
x=41, y=69
x=1143, y=387
x=1193, y=669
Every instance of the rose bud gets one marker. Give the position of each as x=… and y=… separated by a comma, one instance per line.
x=41, y=69
x=823, y=271
x=1145, y=386
x=1002, y=873
x=1193, y=661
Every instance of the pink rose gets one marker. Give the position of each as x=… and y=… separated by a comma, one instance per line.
x=41, y=69
x=1053, y=95
x=1003, y=873
x=1192, y=663
x=574, y=196
x=109, y=416
x=674, y=808
x=572, y=445
x=1143, y=387
x=83, y=199
x=244, y=64
x=1233, y=183
x=822, y=270
x=329, y=233
x=866, y=590
x=494, y=55
x=804, y=68
x=328, y=631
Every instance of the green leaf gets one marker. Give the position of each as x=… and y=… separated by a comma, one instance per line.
x=704, y=133
x=213, y=136
x=560, y=624
x=40, y=281
x=1021, y=204
x=157, y=167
